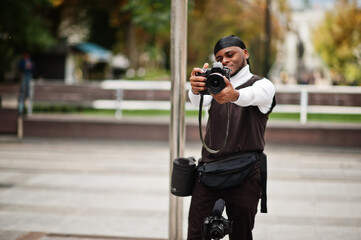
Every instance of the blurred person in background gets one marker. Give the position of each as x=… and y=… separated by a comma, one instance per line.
x=25, y=67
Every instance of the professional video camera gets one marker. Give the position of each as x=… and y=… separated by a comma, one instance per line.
x=215, y=82
x=216, y=226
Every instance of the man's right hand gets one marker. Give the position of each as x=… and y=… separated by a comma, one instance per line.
x=198, y=82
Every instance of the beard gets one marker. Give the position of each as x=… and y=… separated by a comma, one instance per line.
x=235, y=71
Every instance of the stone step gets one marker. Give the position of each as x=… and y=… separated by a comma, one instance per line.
x=136, y=128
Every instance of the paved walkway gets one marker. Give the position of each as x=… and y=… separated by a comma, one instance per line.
x=120, y=188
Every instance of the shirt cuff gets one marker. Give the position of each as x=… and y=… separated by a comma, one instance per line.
x=239, y=95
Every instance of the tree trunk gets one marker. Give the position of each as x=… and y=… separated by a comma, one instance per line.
x=133, y=53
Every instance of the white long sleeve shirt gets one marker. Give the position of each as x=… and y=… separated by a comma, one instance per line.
x=260, y=94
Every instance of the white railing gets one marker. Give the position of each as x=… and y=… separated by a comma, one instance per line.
x=303, y=108
x=120, y=104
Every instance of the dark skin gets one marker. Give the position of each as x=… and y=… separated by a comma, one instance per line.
x=234, y=58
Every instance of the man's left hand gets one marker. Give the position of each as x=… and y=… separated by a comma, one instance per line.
x=228, y=94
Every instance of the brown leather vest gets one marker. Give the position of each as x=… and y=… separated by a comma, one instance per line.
x=246, y=129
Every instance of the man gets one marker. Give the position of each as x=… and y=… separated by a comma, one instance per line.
x=250, y=100
x=26, y=67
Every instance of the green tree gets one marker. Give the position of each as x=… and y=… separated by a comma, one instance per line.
x=131, y=27
x=136, y=28
x=149, y=28
x=338, y=39
x=210, y=20
x=23, y=28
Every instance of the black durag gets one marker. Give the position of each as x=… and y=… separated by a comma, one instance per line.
x=229, y=41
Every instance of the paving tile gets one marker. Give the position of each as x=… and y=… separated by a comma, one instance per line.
x=121, y=188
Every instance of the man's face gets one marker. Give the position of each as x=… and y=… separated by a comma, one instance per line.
x=233, y=57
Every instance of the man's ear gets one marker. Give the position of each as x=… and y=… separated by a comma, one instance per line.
x=246, y=54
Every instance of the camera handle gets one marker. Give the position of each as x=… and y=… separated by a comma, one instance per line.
x=200, y=128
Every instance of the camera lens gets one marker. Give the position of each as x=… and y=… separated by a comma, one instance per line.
x=215, y=83
x=217, y=230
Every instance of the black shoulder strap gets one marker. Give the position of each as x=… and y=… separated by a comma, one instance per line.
x=200, y=128
x=263, y=159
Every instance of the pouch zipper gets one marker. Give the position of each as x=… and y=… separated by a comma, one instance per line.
x=233, y=157
x=220, y=173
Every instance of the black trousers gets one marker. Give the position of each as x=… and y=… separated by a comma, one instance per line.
x=241, y=206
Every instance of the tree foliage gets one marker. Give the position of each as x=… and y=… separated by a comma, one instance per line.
x=131, y=27
x=211, y=20
x=149, y=28
x=153, y=16
x=140, y=29
x=338, y=41
x=23, y=28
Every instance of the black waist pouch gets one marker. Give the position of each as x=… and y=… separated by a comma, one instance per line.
x=232, y=171
x=227, y=172
x=183, y=176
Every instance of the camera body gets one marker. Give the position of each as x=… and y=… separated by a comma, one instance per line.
x=216, y=227
x=214, y=78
